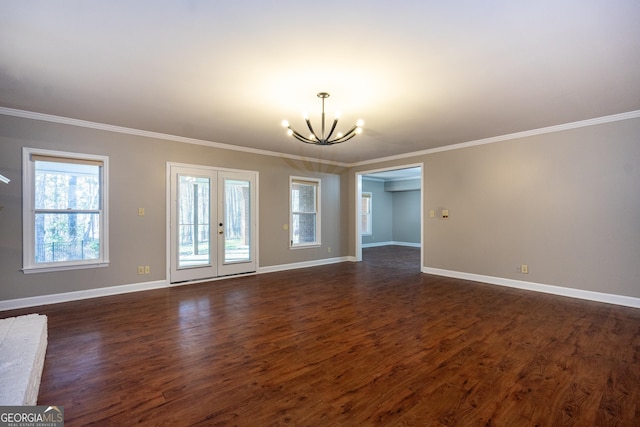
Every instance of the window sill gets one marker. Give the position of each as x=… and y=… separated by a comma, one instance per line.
x=306, y=246
x=50, y=268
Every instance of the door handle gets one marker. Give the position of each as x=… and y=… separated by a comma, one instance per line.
x=221, y=229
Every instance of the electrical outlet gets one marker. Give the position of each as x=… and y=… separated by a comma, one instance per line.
x=147, y=269
x=524, y=269
x=141, y=269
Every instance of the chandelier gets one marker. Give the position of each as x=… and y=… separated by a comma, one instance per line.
x=324, y=138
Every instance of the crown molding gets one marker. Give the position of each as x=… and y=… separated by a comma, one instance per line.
x=541, y=131
x=156, y=135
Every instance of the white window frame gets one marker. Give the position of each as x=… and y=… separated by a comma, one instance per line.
x=368, y=215
x=309, y=181
x=28, y=213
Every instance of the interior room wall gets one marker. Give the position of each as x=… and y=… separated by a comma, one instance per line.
x=382, y=211
x=137, y=179
x=406, y=216
x=396, y=212
x=565, y=203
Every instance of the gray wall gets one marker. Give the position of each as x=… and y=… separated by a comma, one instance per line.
x=137, y=179
x=406, y=216
x=565, y=203
x=396, y=212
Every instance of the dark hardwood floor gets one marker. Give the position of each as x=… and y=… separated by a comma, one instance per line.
x=371, y=343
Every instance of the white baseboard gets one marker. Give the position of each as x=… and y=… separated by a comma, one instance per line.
x=79, y=295
x=394, y=243
x=136, y=287
x=539, y=287
x=292, y=266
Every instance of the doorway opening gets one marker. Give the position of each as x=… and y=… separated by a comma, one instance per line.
x=389, y=216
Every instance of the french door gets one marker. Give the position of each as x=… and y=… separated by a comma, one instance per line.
x=212, y=222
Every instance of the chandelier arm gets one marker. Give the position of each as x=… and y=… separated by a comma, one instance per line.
x=350, y=134
x=352, y=130
x=311, y=129
x=345, y=137
x=342, y=139
x=333, y=127
x=300, y=137
x=303, y=139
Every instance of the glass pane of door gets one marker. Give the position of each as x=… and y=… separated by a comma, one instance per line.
x=194, y=194
x=192, y=213
x=237, y=222
x=237, y=225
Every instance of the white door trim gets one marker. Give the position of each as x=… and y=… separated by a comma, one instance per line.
x=358, y=210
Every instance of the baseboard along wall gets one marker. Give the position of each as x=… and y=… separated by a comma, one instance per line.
x=390, y=243
x=538, y=287
x=136, y=287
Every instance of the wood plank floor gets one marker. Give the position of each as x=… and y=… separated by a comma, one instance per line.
x=371, y=343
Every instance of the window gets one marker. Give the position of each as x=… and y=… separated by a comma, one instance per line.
x=305, y=212
x=367, y=220
x=64, y=210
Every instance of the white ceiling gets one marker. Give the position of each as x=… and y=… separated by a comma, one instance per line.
x=422, y=74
